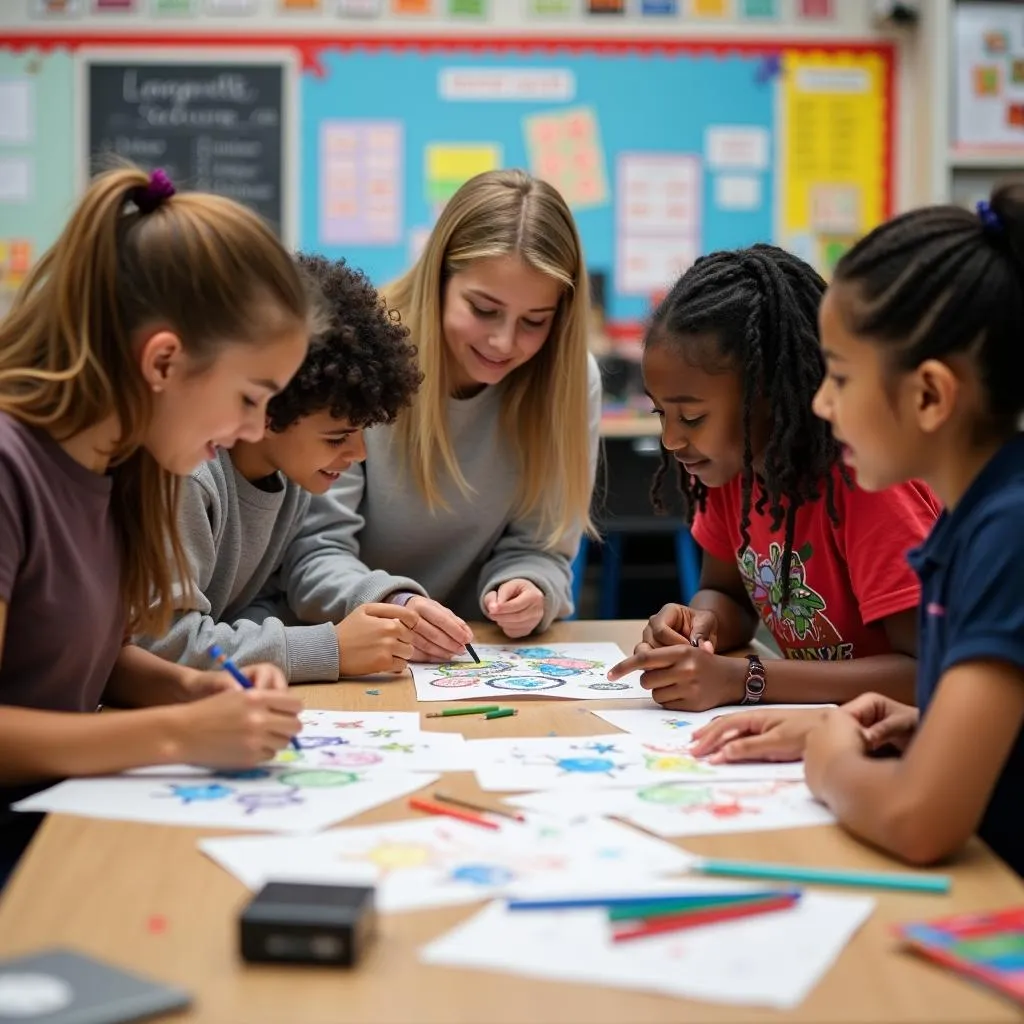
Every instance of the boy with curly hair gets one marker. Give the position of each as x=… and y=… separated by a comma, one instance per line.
x=240, y=512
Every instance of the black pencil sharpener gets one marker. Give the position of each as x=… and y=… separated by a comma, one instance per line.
x=290, y=922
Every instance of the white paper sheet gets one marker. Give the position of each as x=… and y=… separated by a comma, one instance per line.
x=15, y=179
x=16, y=117
x=592, y=762
x=737, y=192
x=736, y=146
x=432, y=862
x=658, y=722
x=271, y=799
x=674, y=809
x=771, y=960
x=577, y=671
x=375, y=743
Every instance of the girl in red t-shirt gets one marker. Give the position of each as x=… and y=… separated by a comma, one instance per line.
x=731, y=362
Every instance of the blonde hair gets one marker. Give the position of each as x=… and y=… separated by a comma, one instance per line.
x=545, y=405
x=201, y=265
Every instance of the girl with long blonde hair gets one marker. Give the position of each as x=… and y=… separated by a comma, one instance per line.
x=153, y=332
x=476, y=499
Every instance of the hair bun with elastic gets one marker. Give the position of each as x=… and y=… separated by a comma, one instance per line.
x=154, y=193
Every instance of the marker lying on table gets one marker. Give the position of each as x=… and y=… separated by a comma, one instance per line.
x=450, y=812
x=644, y=910
x=895, y=880
x=445, y=799
x=450, y=712
x=677, y=901
x=703, y=916
x=223, y=661
x=502, y=713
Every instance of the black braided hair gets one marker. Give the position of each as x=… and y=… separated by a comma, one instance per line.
x=760, y=305
x=363, y=367
x=943, y=280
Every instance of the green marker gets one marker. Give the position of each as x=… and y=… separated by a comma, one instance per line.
x=501, y=713
x=450, y=712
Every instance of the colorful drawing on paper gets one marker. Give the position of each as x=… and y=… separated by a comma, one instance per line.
x=556, y=670
x=561, y=763
x=275, y=798
x=421, y=863
x=565, y=150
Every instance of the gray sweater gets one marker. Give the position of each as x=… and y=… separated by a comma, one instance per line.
x=375, y=517
x=236, y=536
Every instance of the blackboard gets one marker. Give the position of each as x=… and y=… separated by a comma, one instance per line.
x=213, y=127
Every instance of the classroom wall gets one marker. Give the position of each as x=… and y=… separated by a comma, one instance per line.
x=265, y=21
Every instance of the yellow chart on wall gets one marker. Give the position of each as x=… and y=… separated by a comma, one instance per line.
x=833, y=151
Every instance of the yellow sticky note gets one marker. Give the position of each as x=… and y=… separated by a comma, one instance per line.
x=711, y=8
x=451, y=165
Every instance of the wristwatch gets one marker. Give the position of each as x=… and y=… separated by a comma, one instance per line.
x=754, y=683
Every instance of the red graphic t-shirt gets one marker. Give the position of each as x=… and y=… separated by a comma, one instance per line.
x=845, y=578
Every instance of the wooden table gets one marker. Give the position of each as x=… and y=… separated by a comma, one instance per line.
x=96, y=886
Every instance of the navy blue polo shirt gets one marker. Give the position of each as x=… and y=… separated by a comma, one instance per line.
x=972, y=607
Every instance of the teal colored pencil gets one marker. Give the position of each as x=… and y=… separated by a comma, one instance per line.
x=646, y=909
x=896, y=880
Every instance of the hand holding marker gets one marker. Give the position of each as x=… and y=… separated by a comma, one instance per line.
x=223, y=661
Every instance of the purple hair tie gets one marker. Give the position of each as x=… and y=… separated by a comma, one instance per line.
x=159, y=189
x=990, y=220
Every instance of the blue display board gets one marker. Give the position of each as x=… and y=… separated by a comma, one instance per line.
x=649, y=103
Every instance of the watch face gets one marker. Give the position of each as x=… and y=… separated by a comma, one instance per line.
x=755, y=686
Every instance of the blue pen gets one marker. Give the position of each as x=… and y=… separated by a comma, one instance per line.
x=222, y=660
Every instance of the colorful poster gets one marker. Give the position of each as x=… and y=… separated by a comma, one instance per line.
x=832, y=149
x=817, y=9
x=760, y=9
x=449, y=165
x=183, y=7
x=565, y=150
x=711, y=8
x=56, y=8
x=300, y=5
x=467, y=8
x=659, y=7
x=551, y=7
x=657, y=203
x=412, y=6
x=989, y=75
x=116, y=6
x=606, y=6
x=361, y=182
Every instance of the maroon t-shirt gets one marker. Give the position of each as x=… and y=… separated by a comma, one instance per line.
x=59, y=575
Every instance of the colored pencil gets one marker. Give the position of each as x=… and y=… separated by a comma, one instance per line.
x=642, y=910
x=458, y=802
x=472, y=653
x=222, y=660
x=502, y=713
x=894, y=880
x=450, y=812
x=584, y=902
x=710, y=915
x=451, y=712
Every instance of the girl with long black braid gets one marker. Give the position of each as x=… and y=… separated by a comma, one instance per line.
x=731, y=362
x=922, y=332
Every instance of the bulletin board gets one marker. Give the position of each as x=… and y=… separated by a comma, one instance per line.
x=665, y=149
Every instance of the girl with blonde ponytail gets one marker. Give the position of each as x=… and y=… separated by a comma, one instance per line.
x=475, y=500
x=153, y=332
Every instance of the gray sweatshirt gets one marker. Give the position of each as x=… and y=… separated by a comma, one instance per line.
x=375, y=516
x=236, y=536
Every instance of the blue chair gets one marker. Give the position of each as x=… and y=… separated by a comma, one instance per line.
x=688, y=559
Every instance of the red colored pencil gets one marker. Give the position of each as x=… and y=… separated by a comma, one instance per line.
x=711, y=916
x=451, y=812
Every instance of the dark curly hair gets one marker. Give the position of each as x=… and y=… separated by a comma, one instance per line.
x=761, y=307
x=363, y=367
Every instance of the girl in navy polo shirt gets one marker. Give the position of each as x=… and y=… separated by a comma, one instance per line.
x=923, y=333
